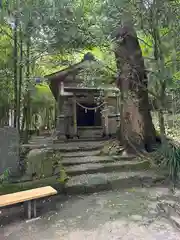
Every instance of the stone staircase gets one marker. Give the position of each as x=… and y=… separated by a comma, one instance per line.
x=90, y=132
x=90, y=172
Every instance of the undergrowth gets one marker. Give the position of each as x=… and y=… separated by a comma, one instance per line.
x=168, y=156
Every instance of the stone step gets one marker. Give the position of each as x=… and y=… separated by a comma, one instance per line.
x=85, y=139
x=86, y=159
x=72, y=149
x=80, y=154
x=91, y=168
x=90, y=183
x=68, y=147
x=69, y=161
x=90, y=132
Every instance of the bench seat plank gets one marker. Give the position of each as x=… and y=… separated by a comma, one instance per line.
x=28, y=195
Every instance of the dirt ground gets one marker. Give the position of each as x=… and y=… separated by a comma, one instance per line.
x=127, y=214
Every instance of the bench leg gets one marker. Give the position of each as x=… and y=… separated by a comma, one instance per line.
x=30, y=206
x=29, y=209
x=34, y=209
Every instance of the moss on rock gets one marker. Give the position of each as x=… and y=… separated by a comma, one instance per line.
x=42, y=163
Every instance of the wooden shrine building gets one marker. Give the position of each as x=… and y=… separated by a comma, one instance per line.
x=84, y=110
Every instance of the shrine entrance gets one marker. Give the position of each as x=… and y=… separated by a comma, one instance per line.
x=84, y=111
x=88, y=115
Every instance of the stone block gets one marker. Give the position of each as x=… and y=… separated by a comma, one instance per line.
x=42, y=163
x=9, y=150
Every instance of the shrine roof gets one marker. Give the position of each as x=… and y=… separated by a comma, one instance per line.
x=69, y=76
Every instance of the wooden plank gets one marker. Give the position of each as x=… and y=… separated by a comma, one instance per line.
x=19, y=197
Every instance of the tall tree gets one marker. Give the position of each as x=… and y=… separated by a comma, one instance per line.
x=21, y=64
x=136, y=123
x=15, y=57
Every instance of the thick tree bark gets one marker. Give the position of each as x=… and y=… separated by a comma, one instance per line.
x=161, y=87
x=15, y=69
x=27, y=94
x=20, y=78
x=137, y=129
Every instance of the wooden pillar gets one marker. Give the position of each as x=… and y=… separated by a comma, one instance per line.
x=67, y=115
x=61, y=118
x=61, y=90
x=106, y=113
x=74, y=117
x=117, y=109
x=57, y=111
x=117, y=103
x=55, y=114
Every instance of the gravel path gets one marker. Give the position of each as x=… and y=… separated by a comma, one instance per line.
x=125, y=215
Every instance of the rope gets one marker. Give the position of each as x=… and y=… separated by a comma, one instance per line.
x=90, y=108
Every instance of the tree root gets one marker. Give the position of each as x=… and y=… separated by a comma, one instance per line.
x=164, y=210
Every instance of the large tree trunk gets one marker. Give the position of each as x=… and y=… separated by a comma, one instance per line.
x=15, y=69
x=27, y=94
x=20, y=78
x=137, y=130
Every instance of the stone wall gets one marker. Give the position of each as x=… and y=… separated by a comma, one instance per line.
x=9, y=150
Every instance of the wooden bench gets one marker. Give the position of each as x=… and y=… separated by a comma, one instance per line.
x=27, y=197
